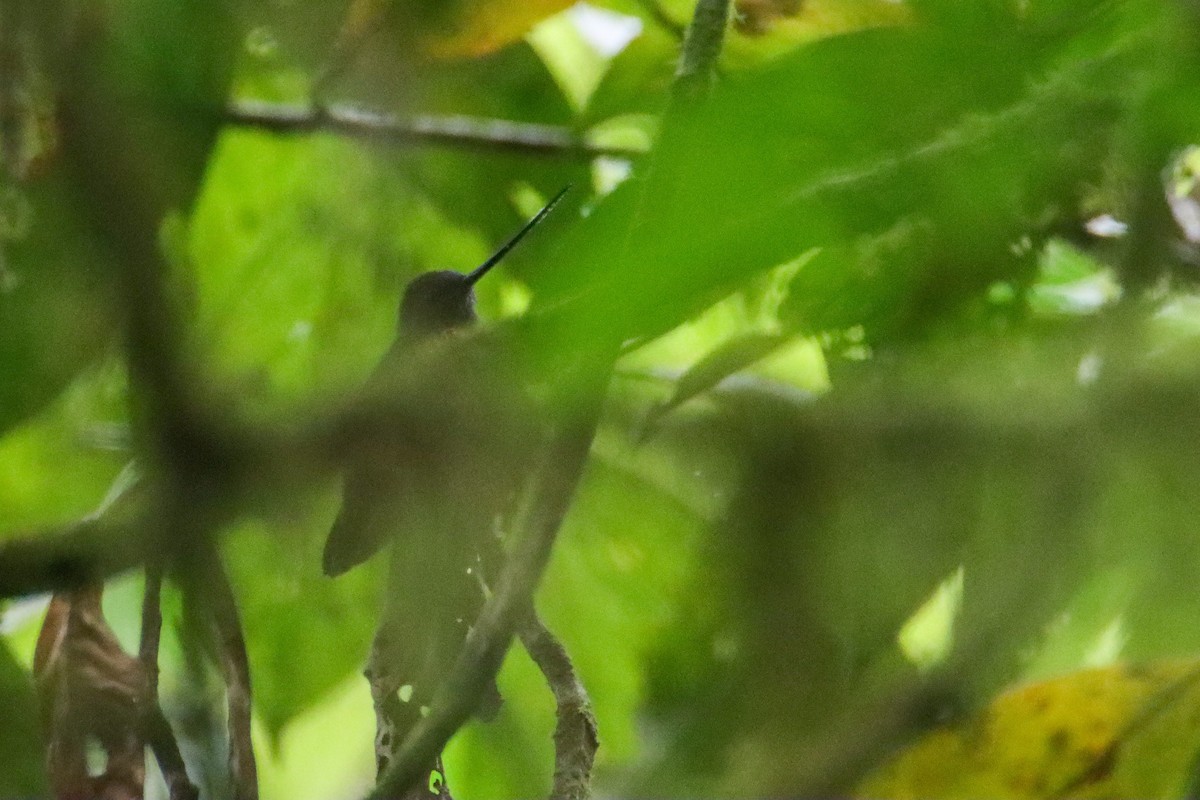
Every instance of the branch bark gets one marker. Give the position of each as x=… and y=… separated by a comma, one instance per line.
x=702, y=45
x=155, y=728
x=210, y=598
x=151, y=626
x=575, y=735
x=452, y=131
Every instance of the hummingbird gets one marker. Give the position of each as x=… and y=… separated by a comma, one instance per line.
x=431, y=490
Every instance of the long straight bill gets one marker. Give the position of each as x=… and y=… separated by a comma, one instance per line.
x=483, y=268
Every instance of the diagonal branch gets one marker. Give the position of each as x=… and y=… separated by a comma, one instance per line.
x=80, y=553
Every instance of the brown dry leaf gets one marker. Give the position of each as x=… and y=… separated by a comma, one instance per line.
x=1123, y=731
x=28, y=116
x=90, y=690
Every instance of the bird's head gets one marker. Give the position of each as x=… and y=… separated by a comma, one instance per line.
x=437, y=302
x=444, y=301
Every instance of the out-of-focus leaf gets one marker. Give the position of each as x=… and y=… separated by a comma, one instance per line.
x=1093, y=628
x=21, y=751
x=513, y=84
x=852, y=510
x=638, y=78
x=928, y=635
x=575, y=64
x=481, y=26
x=306, y=633
x=306, y=762
x=293, y=294
x=730, y=357
x=57, y=313
x=157, y=65
x=162, y=71
x=1070, y=283
x=57, y=466
x=1181, y=191
x=746, y=331
x=1175, y=325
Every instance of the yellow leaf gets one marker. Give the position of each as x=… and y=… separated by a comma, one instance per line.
x=1124, y=731
x=484, y=26
x=434, y=28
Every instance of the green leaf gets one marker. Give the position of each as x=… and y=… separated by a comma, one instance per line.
x=21, y=753
x=306, y=633
x=853, y=137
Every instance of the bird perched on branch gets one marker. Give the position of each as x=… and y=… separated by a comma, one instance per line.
x=430, y=483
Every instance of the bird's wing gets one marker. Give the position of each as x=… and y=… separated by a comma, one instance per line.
x=364, y=522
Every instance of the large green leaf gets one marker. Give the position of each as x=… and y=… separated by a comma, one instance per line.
x=306, y=633
x=966, y=136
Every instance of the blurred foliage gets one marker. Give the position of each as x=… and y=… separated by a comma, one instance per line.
x=873, y=346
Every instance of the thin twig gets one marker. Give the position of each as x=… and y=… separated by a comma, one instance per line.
x=155, y=728
x=210, y=595
x=158, y=734
x=456, y=131
x=151, y=626
x=575, y=734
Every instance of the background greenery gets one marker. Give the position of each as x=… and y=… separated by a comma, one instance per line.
x=876, y=364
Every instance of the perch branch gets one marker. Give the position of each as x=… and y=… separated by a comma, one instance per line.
x=151, y=626
x=701, y=48
x=155, y=728
x=211, y=601
x=575, y=736
x=456, y=131
x=158, y=734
